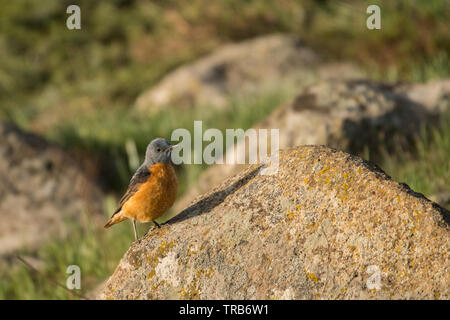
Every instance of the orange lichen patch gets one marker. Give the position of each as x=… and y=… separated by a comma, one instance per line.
x=373, y=291
x=227, y=243
x=165, y=247
x=162, y=232
x=290, y=214
x=312, y=227
x=153, y=259
x=206, y=272
x=157, y=286
x=267, y=259
x=311, y=276
x=152, y=263
x=151, y=274
x=192, y=291
x=189, y=251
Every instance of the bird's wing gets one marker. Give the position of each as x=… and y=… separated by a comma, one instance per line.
x=140, y=177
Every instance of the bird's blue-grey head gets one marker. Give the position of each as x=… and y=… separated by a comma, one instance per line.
x=159, y=150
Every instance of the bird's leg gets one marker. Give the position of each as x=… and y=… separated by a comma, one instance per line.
x=156, y=225
x=135, y=231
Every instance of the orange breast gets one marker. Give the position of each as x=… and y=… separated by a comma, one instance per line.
x=155, y=196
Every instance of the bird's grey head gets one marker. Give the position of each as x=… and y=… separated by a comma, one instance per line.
x=159, y=150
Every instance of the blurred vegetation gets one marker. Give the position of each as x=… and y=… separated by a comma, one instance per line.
x=427, y=169
x=77, y=88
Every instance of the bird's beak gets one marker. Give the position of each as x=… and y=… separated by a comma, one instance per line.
x=171, y=147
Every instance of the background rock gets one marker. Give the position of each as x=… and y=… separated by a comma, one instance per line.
x=347, y=115
x=433, y=95
x=40, y=187
x=237, y=69
x=319, y=228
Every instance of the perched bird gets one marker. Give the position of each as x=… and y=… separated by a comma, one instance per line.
x=152, y=189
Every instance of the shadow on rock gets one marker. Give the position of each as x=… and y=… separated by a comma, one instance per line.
x=207, y=204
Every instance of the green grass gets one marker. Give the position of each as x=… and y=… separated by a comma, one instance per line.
x=96, y=251
x=125, y=46
x=427, y=170
x=77, y=87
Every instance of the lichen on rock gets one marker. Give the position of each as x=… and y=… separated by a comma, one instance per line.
x=328, y=225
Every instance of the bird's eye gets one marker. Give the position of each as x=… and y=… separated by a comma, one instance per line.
x=158, y=149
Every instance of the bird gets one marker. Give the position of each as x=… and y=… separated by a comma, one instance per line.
x=152, y=189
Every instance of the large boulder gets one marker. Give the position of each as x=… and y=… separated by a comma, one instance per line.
x=327, y=225
x=347, y=115
x=236, y=69
x=41, y=187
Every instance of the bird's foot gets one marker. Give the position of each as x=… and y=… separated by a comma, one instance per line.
x=157, y=225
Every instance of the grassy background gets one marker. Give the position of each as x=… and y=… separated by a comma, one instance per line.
x=76, y=89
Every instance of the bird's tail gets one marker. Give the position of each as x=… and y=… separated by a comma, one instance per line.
x=116, y=218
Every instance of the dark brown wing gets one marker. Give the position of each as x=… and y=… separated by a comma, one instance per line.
x=141, y=176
